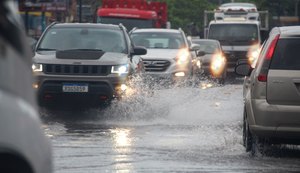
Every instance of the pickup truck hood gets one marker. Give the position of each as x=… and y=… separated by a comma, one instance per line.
x=108, y=58
x=161, y=54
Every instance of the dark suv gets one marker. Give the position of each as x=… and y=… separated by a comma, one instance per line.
x=272, y=92
x=84, y=62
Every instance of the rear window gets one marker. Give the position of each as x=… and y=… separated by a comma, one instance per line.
x=287, y=54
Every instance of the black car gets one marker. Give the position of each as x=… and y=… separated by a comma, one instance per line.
x=89, y=63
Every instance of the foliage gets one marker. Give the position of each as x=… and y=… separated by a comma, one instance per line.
x=181, y=13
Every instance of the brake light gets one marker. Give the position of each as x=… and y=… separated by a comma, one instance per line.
x=263, y=75
x=272, y=48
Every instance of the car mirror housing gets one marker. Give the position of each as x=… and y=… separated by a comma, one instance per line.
x=139, y=50
x=195, y=47
x=200, y=53
x=243, y=69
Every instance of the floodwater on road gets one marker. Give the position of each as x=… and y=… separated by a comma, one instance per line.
x=186, y=129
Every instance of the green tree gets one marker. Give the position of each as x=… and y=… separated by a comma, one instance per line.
x=181, y=13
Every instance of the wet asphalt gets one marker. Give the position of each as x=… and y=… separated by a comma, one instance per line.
x=176, y=129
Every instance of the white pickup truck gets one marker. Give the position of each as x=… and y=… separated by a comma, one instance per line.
x=238, y=29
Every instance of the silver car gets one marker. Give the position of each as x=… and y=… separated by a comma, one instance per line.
x=24, y=148
x=210, y=60
x=272, y=92
x=169, y=54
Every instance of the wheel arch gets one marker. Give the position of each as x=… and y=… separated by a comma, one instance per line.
x=14, y=162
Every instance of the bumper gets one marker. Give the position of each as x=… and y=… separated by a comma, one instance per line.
x=172, y=73
x=275, y=121
x=49, y=88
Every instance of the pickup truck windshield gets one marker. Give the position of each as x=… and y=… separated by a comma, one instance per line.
x=227, y=34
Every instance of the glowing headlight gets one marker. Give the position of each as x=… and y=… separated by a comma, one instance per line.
x=183, y=56
x=37, y=67
x=217, y=65
x=121, y=69
x=198, y=63
x=253, y=54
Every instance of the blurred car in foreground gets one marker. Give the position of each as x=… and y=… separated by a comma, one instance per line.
x=169, y=56
x=82, y=63
x=272, y=99
x=210, y=60
x=23, y=145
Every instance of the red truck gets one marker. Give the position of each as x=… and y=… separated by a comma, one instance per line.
x=133, y=13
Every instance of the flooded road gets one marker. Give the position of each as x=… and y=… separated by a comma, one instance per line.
x=193, y=129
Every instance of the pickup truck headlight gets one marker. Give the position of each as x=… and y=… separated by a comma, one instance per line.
x=253, y=54
x=120, y=69
x=37, y=67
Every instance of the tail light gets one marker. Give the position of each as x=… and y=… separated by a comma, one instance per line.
x=262, y=77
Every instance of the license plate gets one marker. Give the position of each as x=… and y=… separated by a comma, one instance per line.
x=76, y=88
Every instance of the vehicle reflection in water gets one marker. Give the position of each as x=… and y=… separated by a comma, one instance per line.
x=121, y=138
x=123, y=147
x=206, y=85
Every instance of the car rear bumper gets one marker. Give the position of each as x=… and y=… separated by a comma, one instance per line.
x=279, y=121
x=170, y=74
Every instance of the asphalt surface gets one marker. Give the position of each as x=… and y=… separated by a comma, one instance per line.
x=176, y=129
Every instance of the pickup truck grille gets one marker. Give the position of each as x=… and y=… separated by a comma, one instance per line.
x=156, y=65
x=86, y=70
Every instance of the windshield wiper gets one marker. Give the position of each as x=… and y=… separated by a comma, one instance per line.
x=83, y=50
x=46, y=49
x=242, y=40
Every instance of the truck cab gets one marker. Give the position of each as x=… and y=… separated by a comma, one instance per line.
x=236, y=37
x=138, y=13
x=240, y=29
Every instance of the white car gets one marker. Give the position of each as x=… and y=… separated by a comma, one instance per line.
x=237, y=10
x=169, y=54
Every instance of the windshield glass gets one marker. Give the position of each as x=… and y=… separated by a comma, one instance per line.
x=209, y=47
x=158, y=40
x=242, y=33
x=129, y=23
x=69, y=38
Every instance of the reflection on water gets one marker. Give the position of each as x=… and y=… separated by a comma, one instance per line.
x=121, y=137
x=123, y=147
x=206, y=85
